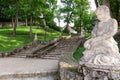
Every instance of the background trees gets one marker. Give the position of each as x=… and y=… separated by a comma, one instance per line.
x=71, y=11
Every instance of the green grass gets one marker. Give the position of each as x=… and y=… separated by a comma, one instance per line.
x=8, y=42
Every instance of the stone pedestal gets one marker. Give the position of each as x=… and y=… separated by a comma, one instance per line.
x=99, y=72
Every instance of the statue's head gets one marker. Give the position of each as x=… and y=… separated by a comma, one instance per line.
x=103, y=13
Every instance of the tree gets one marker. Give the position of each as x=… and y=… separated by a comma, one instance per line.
x=50, y=11
x=97, y=3
x=7, y=11
x=17, y=6
x=58, y=14
x=68, y=10
x=81, y=11
x=34, y=10
x=115, y=9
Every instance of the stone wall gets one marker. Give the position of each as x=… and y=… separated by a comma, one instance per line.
x=9, y=24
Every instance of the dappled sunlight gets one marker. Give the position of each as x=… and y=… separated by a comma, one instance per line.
x=9, y=42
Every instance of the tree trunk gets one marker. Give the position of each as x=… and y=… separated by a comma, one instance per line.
x=31, y=25
x=16, y=17
x=59, y=22
x=96, y=2
x=44, y=22
x=26, y=22
x=12, y=22
x=81, y=13
x=68, y=22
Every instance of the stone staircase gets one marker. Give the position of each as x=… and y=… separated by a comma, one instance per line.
x=65, y=46
x=38, y=50
x=42, y=59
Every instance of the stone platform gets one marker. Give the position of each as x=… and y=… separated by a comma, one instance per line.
x=13, y=67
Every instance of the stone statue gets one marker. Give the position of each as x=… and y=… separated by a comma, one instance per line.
x=102, y=49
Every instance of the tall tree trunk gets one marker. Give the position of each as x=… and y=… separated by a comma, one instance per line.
x=26, y=22
x=31, y=25
x=96, y=2
x=80, y=16
x=68, y=22
x=12, y=22
x=44, y=22
x=59, y=22
x=16, y=17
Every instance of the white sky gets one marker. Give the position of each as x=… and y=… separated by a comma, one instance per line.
x=92, y=5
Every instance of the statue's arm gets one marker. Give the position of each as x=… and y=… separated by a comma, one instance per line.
x=112, y=31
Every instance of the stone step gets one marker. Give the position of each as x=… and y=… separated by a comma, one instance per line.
x=45, y=51
x=16, y=67
x=47, y=57
x=19, y=56
x=51, y=56
x=54, y=54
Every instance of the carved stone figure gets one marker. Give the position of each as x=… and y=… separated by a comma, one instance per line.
x=102, y=49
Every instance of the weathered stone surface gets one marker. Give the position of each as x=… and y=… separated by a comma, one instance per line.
x=99, y=72
x=67, y=74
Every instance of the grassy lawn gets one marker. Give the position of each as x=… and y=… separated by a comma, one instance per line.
x=8, y=42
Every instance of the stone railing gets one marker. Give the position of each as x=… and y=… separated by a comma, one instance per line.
x=68, y=67
x=8, y=53
x=30, y=48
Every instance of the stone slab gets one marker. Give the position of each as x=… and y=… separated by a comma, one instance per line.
x=11, y=66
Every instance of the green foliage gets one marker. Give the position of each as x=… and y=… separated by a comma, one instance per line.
x=7, y=10
x=115, y=9
x=118, y=27
x=8, y=42
x=78, y=53
x=68, y=10
x=88, y=36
